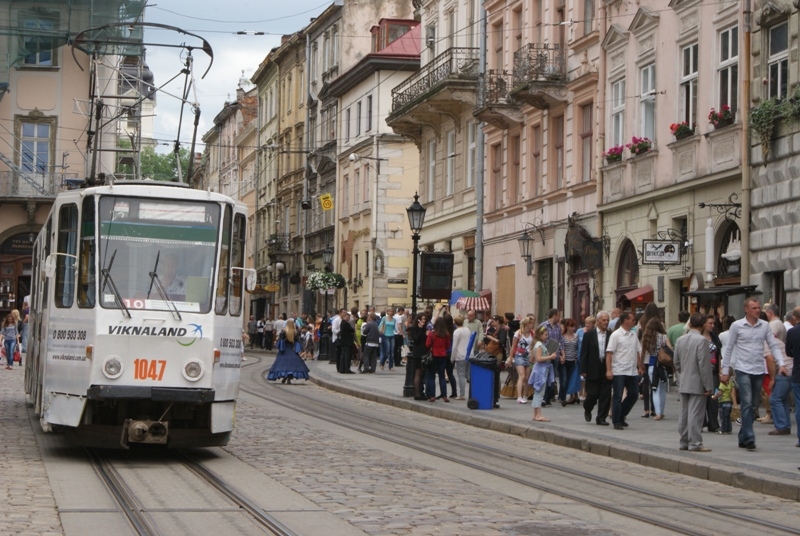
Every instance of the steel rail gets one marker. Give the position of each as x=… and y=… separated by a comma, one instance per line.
x=645, y=516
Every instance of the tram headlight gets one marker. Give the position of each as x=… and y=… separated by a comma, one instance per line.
x=193, y=370
x=112, y=367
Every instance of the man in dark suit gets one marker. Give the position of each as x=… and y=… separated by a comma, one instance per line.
x=593, y=370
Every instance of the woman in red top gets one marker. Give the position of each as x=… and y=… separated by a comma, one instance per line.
x=438, y=342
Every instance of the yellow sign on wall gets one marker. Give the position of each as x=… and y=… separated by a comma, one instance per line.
x=326, y=200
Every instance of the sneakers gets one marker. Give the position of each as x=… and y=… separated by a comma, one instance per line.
x=765, y=420
x=522, y=400
x=700, y=449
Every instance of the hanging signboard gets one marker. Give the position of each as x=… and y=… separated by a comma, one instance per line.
x=661, y=252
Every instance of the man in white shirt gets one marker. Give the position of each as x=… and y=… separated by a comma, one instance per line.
x=746, y=348
x=336, y=327
x=623, y=366
x=280, y=323
x=399, y=336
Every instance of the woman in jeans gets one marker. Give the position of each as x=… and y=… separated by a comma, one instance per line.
x=654, y=337
x=520, y=357
x=417, y=335
x=10, y=340
x=438, y=342
x=570, y=346
x=387, y=338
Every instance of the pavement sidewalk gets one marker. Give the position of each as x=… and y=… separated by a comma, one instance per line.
x=772, y=469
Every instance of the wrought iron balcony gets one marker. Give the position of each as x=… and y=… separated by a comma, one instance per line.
x=540, y=75
x=457, y=63
x=279, y=243
x=495, y=103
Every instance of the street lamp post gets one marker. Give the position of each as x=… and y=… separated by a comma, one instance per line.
x=416, y=218
x=325, y=330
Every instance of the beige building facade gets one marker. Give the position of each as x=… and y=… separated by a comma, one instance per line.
x=655, y=201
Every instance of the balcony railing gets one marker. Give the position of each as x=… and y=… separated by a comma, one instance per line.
x=494, y=89
x=540, y=63
x=14, y=184
x=457, y=62
x=279, y=243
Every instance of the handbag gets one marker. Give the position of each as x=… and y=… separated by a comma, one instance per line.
x=426, y=361
x=17, y=356
x=665, y=357
x=509, y=389
x=493, y=347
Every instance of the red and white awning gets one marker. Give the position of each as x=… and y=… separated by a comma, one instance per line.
x=478, y=303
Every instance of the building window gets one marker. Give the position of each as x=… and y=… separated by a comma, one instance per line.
x=497, y=33
x=332, y=116
x=628, y=271
x=35, y=146
x=450, y=167
x=647, y=97
x=313, y=67
x=472, y=152
x=312, y=127
x=537, y=20
x=497, y=175
x=369, y=113
x=778, y=60
x=326, y=45
x=356, y=191
x=347, y=125
x=358, y=119
x=515, y=171
x=431, y=169
x=729, y=68
x=36, y=30
x=289, y=93
x=472, y=29
x=335, y=48
x=346, y=196
x=586, y=142
x=558, y=151
x=516, y=22
x=618, y=112
x=688, y=89
x=588, y=16
x=450, y=16
x=536, y=160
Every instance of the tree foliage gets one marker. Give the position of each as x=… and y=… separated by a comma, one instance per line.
x=163, y=167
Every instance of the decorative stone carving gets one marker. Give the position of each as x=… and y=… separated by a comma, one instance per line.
x=617, y=60
x=690, y=21
x=648, y=43
x=771, y=11
x=644, y=173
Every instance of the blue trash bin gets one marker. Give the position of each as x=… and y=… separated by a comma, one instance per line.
x=481, y=386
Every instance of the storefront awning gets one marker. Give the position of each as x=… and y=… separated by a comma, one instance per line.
x=640, y=295
x=722, y=291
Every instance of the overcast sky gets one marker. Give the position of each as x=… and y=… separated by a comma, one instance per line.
x=217, y=21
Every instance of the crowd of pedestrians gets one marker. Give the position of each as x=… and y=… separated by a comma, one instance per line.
x=727, y=371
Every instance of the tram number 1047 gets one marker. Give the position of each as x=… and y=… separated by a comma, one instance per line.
x=149, y=369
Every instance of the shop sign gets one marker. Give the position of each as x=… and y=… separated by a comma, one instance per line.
x=661, y=252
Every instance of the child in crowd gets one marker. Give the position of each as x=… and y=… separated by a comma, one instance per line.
x=723, y=397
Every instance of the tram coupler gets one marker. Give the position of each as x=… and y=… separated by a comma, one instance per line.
x=152, y=432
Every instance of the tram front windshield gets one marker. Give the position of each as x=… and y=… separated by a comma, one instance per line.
x=157, y=254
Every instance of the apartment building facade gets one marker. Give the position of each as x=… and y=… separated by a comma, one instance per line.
x=669, y=209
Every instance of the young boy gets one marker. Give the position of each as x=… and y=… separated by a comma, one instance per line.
x=723, y=396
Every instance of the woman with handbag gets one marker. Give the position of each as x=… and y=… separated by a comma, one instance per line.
x=10, y=340
x=654, y=337
x=520, y=357
x=438, y=342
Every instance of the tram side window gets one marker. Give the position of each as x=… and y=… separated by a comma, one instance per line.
x=237, y=260
x=67, y=249
x=221, y=303
x=86, y=270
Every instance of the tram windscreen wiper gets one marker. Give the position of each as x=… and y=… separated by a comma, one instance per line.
x=154, y=279
x=108, y=280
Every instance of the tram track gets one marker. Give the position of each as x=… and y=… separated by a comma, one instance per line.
x=601, y=492
x=142, y=520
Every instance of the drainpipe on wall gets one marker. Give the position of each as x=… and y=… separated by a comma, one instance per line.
x=602, y=21
x=479, y=186
x=744, y=106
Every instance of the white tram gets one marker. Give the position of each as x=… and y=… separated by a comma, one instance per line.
x=136, y=315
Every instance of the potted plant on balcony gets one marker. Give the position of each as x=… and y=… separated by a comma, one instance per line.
x=721, y=118
x=681, y=130
x=639, y=146
x=614, y=154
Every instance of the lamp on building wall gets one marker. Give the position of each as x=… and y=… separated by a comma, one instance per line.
x=274, y=270
x=526, y=244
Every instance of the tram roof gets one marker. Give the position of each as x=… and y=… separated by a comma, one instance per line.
x=151, y=188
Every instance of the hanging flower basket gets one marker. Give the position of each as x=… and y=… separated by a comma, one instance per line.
x=321, y=280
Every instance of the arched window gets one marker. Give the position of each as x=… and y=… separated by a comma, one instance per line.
x=728, y=264
x=628, y=270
